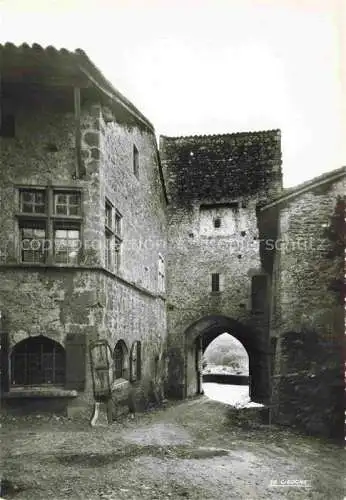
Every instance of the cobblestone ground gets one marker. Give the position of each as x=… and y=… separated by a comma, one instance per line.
x=197, y=449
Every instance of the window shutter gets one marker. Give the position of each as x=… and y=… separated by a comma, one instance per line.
x=139, y=361
x=4, y=363
x=222, y=282
x=75, y=361
x=135, y=362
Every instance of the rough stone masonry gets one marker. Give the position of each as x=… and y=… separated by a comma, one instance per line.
x=157, y=250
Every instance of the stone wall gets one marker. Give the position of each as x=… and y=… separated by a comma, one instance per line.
x=135, y=307
x=140, y=200
x=87, y=300
x=42, y=153
x=220, y=167
x=308, y=314
x=225, y=176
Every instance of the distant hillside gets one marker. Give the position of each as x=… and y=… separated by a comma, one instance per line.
x=227, y=351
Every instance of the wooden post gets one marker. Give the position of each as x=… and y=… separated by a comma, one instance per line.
x=95, y=414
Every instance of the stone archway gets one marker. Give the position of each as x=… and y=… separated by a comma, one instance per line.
x=201, y=333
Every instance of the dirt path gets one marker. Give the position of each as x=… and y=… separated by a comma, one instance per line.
x=198, y=449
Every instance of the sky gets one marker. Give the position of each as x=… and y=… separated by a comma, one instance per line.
x=212, y=66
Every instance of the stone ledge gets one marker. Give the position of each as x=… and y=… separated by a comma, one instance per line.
x=39, y=392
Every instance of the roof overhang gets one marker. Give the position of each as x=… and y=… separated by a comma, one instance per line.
x=34, y=65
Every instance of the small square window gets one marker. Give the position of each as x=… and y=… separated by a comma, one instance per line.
x=217, y=222
x=32, y=202
x=67, y=204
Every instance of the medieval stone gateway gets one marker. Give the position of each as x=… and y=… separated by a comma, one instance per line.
x=106, y=235
x=199, y=335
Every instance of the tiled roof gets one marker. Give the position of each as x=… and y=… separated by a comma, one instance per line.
x=202, y=137
x=325, y=178
x=240, y=147
x=37, y=56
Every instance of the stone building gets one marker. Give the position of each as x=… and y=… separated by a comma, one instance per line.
x=158, y=251
x=307, y=319
x=216, y=279
x=83, y=232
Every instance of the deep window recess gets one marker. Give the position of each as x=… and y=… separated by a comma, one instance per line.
x=215, y=282
x=135, y=161
x=37, y=361
x=120, y=358
x=113, y=237
x=50, y=225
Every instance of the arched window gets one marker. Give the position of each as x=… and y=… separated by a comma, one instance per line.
x=38, y=361
x=135, y=361
x=120, y=357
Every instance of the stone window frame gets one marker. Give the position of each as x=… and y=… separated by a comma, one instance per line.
x=51, y=222
x=112, y=236
x=161, y=274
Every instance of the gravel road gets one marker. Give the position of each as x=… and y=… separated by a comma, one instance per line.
x=196, y=449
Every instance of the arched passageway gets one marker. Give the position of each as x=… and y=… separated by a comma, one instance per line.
x=225, y=369
x=200, y=334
